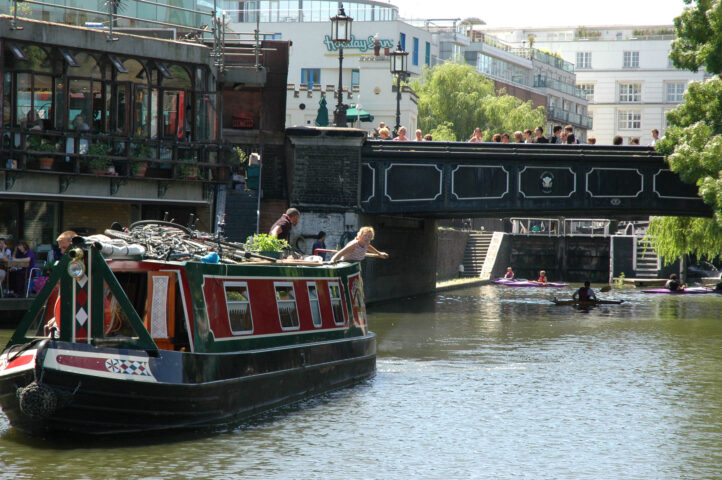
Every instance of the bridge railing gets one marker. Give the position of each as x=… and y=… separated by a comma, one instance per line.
x=535, y=226
x=587, y=226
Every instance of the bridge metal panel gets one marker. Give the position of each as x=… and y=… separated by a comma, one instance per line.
x=614, y=182
x=368, y=183
x=478, y=182
x=409, y=182
x=547, y=182
x=454, y=179
x=666, y=185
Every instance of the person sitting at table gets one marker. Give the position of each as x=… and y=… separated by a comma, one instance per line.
x=20, y=274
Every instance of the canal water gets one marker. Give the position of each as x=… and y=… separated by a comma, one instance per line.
x=482, y=382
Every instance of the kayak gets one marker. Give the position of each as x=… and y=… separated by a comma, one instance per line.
x=688, y=290
x=587, y=303
x=527, y=283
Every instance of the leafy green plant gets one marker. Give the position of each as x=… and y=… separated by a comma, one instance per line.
x=238, y=157
x=39, y=143
x=187, y=170
x=620, y=279
x=99, y=160
x=262, y=242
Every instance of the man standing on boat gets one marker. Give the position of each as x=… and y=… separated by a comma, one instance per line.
x=282, y=228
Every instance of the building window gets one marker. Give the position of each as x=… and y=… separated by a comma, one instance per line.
x=315, y=307
x=675, y=91
x=402, y=41
x=427, y=56
x=631, y=59
x=311, y=77
x=584, y=60
x=286, y=303
x=630, y=120
x=334, y=290
x=239, y=308
x=415, y=52
x=272, y=36
x=355, y=77
x=630, y=92
x=587, y=90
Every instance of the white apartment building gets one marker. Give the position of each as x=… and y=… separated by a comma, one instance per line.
x=313, y=69
x=625, y=71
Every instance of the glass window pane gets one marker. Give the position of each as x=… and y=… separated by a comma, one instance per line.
x=80, y=104
x=205, y=115
x=60, y=114
x=24, y=99
x=7, y=99
x=140, y=112
x=180, y=79
x=172, y=110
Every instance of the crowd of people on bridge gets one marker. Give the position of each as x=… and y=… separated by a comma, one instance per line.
x=561, y=135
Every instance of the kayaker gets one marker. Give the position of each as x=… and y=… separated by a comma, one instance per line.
x=673, y=283
x=509, y=275
x=356, y=249
x=585, y=293
x=543, y=277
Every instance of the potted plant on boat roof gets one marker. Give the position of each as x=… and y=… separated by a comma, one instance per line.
x=97, y=159
x=39, y=143
x=267, y=245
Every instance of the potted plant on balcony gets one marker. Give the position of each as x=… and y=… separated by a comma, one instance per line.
x=38, y=143
x=141, y=152
x=188, y=171
x=98, y=162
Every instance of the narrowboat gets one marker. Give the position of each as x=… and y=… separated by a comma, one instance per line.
x=120, y=342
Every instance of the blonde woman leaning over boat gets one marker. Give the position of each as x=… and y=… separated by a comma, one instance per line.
x=356, y=249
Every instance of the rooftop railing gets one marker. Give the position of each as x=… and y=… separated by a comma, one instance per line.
x=205, y=26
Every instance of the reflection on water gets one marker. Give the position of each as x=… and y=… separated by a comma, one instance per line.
x=484, y=382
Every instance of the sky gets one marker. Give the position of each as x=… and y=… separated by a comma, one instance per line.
x=536, y=13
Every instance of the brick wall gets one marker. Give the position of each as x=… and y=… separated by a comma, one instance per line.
x=325, y=165
x=450, y=252
x=93, y=218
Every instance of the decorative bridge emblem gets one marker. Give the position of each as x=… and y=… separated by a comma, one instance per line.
x=547, y=180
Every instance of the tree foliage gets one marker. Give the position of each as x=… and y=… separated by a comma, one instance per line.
x=692, y=143
x=699, y=36
x=453, y=97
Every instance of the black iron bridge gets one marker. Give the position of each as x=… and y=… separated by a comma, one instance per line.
x=445, y=180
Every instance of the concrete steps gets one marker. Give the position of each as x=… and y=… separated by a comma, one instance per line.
x=477, y=245
x=647, y=260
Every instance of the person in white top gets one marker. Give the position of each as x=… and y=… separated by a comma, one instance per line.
x=419, y=136
x=655, y=137
x=356, y=249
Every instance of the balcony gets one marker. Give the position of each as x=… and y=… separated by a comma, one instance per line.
x=94, y=165
x=562, y=116
x=541, y=82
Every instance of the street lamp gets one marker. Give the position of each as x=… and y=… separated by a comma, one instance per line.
x=340, y=34
x=398, y=68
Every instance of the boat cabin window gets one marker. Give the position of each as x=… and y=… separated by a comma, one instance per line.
x=286, y=302
x=239, y=308
x=313, y=300
x=334, y=289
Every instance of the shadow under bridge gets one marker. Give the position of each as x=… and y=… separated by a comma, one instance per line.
x=458, y=179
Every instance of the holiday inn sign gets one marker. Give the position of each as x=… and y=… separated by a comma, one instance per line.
x=360, y=44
